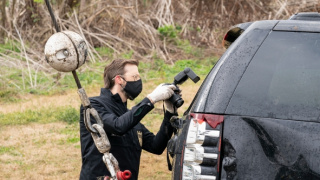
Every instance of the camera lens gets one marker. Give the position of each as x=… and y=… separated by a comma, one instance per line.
x=179, y=102
x=176, y=100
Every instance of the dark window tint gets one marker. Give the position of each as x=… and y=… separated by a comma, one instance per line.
x=282, y=80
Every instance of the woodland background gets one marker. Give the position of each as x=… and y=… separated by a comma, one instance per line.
x=146, y=29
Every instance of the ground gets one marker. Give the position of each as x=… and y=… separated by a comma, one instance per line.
x=52, y=150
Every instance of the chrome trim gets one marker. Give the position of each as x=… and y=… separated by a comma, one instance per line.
x=193, y=172
x=192, y=132
x=197, y=132
x=195, y=153
x=203, y=131
x=204, y=177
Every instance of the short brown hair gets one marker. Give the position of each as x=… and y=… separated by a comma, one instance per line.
x=116, y=67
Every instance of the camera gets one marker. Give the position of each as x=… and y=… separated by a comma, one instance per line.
x=180, y=78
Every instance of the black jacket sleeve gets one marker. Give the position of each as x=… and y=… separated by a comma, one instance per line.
x=157, y=143
x=118, y=120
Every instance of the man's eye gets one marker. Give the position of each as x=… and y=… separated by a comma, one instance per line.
x=136, y=77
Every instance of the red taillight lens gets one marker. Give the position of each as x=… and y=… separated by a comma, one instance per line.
x=202, y=151
x=212, y=119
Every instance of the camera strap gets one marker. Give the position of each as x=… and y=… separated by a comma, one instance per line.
x=176, y=123
x=175, y=132
x=168, y=161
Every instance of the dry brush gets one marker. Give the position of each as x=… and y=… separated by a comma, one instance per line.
x=128, y=25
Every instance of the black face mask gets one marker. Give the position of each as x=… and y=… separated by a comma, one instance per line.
x=133, y=89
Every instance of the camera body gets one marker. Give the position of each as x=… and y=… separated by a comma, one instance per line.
x=180, y=78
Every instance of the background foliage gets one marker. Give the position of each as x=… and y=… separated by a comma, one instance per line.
x=149, y=30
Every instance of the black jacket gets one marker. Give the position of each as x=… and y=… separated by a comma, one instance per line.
x=123, y=129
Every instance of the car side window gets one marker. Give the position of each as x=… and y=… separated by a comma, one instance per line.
x=282, y=80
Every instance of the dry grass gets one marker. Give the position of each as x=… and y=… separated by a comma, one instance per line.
x=52, y=151
x=71, y=98
x=38, y=151
x=34, y=102
x=30, y=101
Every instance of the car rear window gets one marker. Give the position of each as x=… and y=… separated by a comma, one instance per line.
x=282, y=80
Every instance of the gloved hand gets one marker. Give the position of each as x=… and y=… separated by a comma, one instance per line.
x=162, y=92
x=170, y=107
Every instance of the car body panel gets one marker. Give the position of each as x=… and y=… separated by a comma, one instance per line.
x=306, y=16
x=298, y=26
x=264, y=148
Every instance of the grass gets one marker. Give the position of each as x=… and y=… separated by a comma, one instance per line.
x=15, y=83
x=8, y=150
x=9, y=46
x=38, y=151
x=158, y=70
x=39, y=126
x=171, y=35
x=72, y=133
x=42, y=115
x=40, y=143
x=9, y=95
x=90, y=75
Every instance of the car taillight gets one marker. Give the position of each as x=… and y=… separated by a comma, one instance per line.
x=202, y=151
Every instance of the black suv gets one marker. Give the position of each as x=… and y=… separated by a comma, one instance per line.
x=257, y=114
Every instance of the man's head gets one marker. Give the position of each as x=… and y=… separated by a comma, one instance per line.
x=122, y=76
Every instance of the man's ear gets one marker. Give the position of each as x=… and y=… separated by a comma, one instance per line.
x=118, y=80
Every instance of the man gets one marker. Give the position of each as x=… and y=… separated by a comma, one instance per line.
x=126, y=134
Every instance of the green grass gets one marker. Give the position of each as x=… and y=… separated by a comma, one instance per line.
x=168, y=31
x=187, y=48
x=15, y=82
x=72, y=131
x=105, y=52
x=151, y=120
x=9, y=46
x=42, y=115
x=68, y=115
x=159, y=70
x=171, y=35
x=9, y=96
x=39, y=142
x=127, y=55
x=9, y=150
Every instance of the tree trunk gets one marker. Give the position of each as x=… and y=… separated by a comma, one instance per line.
x=3, y=20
